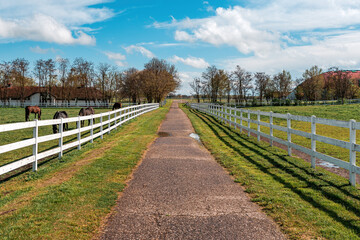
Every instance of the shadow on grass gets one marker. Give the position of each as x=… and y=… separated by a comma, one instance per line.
x=312, y=179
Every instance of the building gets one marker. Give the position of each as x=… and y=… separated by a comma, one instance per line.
x=56, y=96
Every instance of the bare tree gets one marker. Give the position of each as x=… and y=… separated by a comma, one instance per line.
x=196, y=87
x=241, y=83
x=63, y=70
x=20, y=69
x=104, y=79
x=312, y=84
x=283, y=83
x=262, y=82
x=5, y=80
x=342, y=82
x=84, y=71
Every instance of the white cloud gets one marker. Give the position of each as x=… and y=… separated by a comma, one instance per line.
x=117, y=57
x=140, y=49
x=50, y=20
x=191, y=61
x=186, y=79
x=40, y=50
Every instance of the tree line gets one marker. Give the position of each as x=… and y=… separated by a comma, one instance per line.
x=153, y=83
x=217, y=84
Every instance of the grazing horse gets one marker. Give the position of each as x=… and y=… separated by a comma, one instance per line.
x=116, y=106
x=86, y=112
x=58, y=115
x=32, y=109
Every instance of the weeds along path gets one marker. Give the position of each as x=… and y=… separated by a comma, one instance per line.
x=68, y=199
x=180, y=192
x=306, y=203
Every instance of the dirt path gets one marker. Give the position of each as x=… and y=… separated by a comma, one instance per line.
x=180, y=192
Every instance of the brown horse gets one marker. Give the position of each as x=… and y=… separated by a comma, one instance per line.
x=86, y=112
x=32, y=109
x=116, y=106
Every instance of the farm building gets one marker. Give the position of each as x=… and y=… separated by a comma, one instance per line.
x=42, y=96
x=323, y=87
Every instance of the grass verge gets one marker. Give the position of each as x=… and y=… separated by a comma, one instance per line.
x=307, y=204
x=68, y=199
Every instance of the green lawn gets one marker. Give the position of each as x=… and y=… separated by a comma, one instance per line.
x=306, y=203
x=69, y=199
x=13, y=115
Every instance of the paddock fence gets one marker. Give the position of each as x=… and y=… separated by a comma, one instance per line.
x=241, y=118
x=106, y=122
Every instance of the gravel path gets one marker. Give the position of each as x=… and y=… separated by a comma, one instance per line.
x=180, y=192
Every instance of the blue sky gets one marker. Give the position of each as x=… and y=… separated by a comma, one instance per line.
x=258, y=35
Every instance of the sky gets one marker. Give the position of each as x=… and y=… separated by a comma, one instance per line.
x=259, y=35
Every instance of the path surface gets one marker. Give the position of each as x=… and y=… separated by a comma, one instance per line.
x=180, y=192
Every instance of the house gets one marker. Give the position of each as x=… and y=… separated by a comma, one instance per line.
x=56, y=96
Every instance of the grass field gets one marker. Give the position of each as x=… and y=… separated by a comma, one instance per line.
x=69, y=199
x=306, y=203
x=338, y=112
x=12, y=115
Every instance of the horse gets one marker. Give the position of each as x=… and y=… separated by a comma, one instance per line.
x=58, y=115
x=86, y=112
x=32, y=109
x=116, y=106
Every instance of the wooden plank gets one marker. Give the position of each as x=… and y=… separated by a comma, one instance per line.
x=332, y=141
x=17, y=145
x=15, y=165
x=300, y=133
x=333, y=122
x=16, y=126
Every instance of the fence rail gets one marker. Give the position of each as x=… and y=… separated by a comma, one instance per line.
x=232, y=116
x=110, y=120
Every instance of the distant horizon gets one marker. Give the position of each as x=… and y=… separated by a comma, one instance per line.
x=259, y=36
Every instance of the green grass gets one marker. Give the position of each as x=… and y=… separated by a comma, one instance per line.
x=69, y=199
x=338, y=112
x=306, y=203
x=12, y=115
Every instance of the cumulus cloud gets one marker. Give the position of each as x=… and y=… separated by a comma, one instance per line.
x=145, y=52
x=50, y=21
x=191, y=61
x=118, y=58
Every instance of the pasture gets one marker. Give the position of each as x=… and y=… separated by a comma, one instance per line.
x=338, y=112
x=13, y=115
x=69, y=198
x=306, y=203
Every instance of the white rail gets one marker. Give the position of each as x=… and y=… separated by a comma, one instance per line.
x=232, y=116
x=111, y=119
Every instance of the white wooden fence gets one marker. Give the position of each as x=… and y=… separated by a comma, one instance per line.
x=111, y=120
x=237, y=116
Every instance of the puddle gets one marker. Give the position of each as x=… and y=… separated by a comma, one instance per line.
x=164, y=134
x=195, y=136
x=327, y=164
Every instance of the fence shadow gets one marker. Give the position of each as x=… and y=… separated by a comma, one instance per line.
x=311, y=179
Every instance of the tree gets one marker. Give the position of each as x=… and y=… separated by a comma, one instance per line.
x=104, y=79
x=5, y=80
x=132, y=84
x=20, y=68
x=84, y=75
x=241, y=83
x=282, y=83
x=63, y=70
x=196, y=87
x=214, y=82
x=342, y=82
x=161, y=79
x=312, y=83
x=262, y=82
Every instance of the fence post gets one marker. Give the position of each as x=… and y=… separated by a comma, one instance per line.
x=79, y=132
x=35, y=146
x=61, y=139
x=271, y=128
x=288, y=132
x=101, y=126
x=313, y=141
x=258, y=125
x=92, y=128
x=235, y=118
x=248, y=122
x=241, y=120
x=352, y=173
x=115, y=120
x=109, y=123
